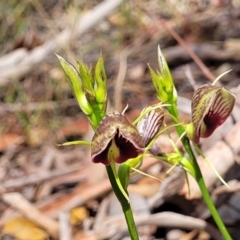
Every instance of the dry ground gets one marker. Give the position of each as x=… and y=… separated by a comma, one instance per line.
x=54, y=192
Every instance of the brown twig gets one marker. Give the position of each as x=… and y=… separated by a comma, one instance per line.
x=120, y=79
x=33, y=106
x=38, y=177
x=161, y=23
x=65, y=226
x=38, y=54
x=82, y=194
x=234, y=186
x=17, y=201
x=163, y=219
x=195, y=58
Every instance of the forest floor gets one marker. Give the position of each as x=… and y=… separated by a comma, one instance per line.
x=52, y=192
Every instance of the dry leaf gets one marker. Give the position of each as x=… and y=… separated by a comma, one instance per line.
x=79, y=127
x=146, y=187
x=117, y=19
x=7, y=140
x=23, y=229
x=78, y=215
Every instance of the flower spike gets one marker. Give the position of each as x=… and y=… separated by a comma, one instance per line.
x=163, y=82
x=90, y=88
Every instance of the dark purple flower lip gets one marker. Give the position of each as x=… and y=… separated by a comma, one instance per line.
x=211, y=106
x=115, y=133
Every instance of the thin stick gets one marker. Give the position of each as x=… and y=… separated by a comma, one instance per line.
x=38, y=177
x=17, y=201
x=120, y=79
x=192, y=54
x=65, y=226
x=39, y=54
x=180, y=40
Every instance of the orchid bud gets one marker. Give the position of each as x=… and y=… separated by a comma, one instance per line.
x=211, y=106
x=115, y=139
x=101, y=82
x=163, y=82
x=76, y=84
x=90, y=89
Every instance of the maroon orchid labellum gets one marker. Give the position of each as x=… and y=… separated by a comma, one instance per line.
x=116, y=139
x=211, y=106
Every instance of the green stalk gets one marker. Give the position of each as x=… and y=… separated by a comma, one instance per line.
x=126, y=207
x=198, y=176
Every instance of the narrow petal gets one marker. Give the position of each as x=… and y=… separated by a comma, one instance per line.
x=150, y=124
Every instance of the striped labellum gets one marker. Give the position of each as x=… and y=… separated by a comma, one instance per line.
x=211, y=106
x=150, y=124
x=149, y=127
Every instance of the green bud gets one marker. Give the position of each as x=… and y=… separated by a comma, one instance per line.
x=159, y=86
x=174, y=158
x=163, y=81
x=101, y=82
x=76, y=85
x=87, y=79
x=188, y=166
x=165, y=72
x=177, y=159
x=90, y=90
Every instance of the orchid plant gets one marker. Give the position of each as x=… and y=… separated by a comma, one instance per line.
x=121, y=145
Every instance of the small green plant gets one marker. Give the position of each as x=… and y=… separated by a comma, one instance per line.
x=116, y=140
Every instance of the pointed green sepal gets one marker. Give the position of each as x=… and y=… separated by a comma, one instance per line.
x=163, y=82
x=165, y=72
x=125, y=169
x=76, y=85
x=101, y=81
x=74, y=143
x=87, y=79
x=158, y=85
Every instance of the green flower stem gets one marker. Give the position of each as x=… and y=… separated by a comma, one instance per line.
x=198, y=176
x=126, y=207
x=132, y=229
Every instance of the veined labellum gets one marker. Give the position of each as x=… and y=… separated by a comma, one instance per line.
x=211, y=106
x=116, y=139
x=149, y=125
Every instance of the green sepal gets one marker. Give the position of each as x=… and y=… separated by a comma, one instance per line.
x=190, y=131
x=118, y=181
x=158, y=85
x=124, y=172
x=87, y=79
x=163, y=81
x=78, y=142
x=75, y=83
x=188, y=166
x=101, y=81
x=124, y=169
x=165, y=72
